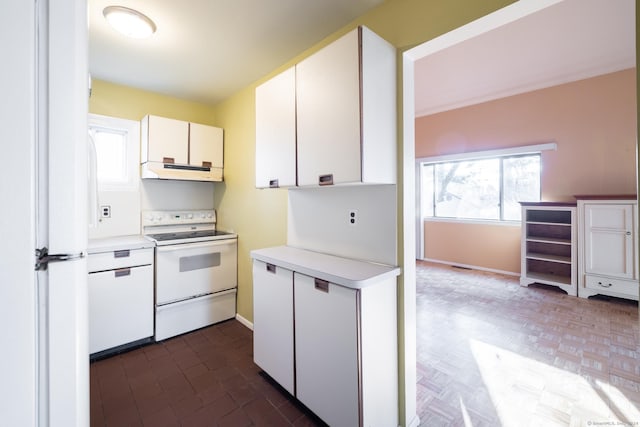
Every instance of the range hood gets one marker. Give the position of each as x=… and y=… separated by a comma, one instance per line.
x=159, y=170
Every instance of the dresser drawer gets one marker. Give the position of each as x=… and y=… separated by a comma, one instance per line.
x=119, y=259
x=608, y=284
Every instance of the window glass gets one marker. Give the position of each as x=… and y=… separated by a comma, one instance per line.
x=117, y=153
x=521, y=183
x=468, y=189
x=111, y=153
x=427, y=189
x=480, y=189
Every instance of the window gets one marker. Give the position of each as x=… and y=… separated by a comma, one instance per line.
x=480, y=187
x=111, y=154
x=116, y=143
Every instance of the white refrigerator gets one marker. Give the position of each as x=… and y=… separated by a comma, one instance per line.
x=43, y=188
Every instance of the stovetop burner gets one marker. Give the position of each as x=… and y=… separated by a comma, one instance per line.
x=182, y=227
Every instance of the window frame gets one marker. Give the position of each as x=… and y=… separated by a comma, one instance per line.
x=469, y=156
x=130, y=129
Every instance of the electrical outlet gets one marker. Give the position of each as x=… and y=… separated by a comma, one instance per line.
x=353, y=217
x=105, y=211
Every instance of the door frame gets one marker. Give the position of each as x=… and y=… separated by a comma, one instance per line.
x=410, y=242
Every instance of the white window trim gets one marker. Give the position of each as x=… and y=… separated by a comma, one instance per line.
x=131, y=129
x=474, y=155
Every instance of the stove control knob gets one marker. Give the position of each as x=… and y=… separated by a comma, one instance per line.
x=189, y=216
x=209, y=215
x=202, y=215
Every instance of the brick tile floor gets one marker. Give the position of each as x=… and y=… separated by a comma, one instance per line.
x=203, y=378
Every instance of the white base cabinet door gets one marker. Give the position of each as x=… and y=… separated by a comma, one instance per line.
x=607, y=244
x=273, y=322
x=609, y=239
x=327, y=368
x=120, y=307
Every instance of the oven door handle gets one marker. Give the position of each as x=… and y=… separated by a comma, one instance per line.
x=196, y=245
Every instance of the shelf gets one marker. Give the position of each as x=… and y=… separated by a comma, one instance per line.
x=548, y=216
x=549, y=257
x=547, y=231
x=550, y=240
x=562, y=224
x=549, y=278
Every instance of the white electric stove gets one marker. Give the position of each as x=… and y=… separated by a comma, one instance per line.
x=196, y=273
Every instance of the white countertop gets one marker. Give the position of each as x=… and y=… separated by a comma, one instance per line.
x=341, y=271
x=120, y=243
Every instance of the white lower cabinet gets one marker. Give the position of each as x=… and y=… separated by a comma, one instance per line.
x=120, y=298
x=327, y=338
x=273, y=322
x=331, y=345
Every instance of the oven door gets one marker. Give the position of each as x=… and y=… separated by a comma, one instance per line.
x=192, y=269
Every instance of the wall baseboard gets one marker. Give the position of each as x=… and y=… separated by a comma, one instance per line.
x=244, y=321
x=471, y=267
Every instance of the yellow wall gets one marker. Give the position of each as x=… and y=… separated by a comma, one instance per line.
x=593, y=121
x=260, y=216
x=125, y=102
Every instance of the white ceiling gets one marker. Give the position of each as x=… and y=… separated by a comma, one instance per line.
x=206, y=50
x=571, y=40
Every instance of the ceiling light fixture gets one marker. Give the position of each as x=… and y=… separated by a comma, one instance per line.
x=129, y=22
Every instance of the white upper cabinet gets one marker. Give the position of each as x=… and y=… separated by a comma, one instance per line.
x=276, y=131
x=164, y=140
x=205, y=146
x=179, y=150
x=332, y=117
x=346, y=106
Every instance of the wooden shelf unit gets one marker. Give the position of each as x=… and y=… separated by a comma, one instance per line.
x=548, y=246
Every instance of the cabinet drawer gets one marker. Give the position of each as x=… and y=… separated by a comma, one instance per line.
x=618, y=286
x=119, y=259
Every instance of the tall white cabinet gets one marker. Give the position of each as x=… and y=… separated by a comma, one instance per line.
x=608, y=236
x=341, y=102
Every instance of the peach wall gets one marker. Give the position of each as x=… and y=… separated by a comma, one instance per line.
x=593, y=121
x=493, y=247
